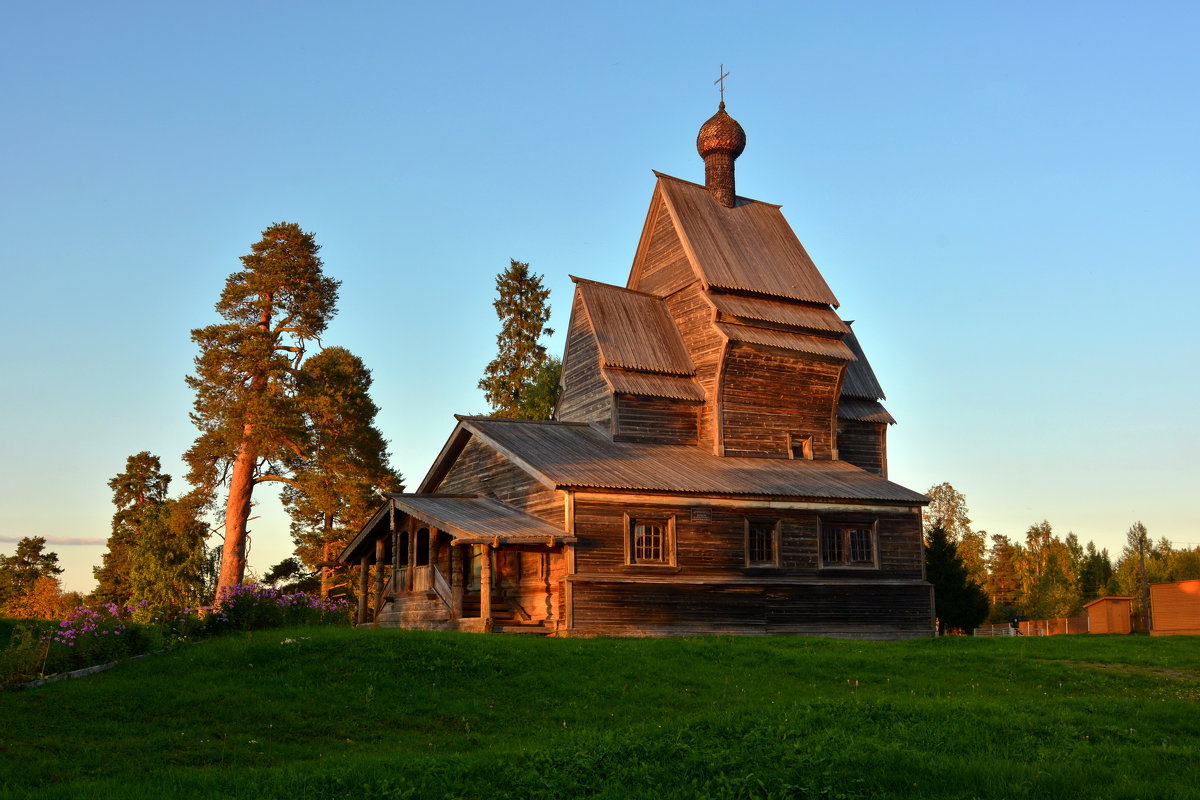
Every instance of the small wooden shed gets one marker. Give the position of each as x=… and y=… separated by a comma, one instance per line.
x=1110, y=615
x=1175, y=608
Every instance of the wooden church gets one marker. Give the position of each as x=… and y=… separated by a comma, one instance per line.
x=717, y=461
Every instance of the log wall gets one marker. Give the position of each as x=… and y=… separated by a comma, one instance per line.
x=705, y=344
x=710, y=541
x=655, y=420
x=585, y=396
x=481, y=470
x=767, y=394
x=874, y=611
x=863, y=444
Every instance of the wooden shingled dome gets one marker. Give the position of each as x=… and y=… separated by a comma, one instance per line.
x=720, y=141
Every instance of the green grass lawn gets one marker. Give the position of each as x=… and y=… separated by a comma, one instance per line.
x=392, y=714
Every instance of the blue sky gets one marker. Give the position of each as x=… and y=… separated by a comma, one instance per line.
x=1004, y=196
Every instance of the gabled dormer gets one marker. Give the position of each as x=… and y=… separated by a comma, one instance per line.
x=625, y=366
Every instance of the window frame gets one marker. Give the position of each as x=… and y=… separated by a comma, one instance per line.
x=846, y=544
x=775, y=525
x=802, y=442
x=668, y=543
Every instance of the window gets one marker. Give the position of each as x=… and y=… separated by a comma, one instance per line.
x=650, y=540
x=848, y=545
x=800, y=446
x=762, y=543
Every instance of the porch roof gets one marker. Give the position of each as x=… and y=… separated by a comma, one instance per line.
x=468, y=519
x=479, y=520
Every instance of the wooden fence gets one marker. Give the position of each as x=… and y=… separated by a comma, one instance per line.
x=1036, y=627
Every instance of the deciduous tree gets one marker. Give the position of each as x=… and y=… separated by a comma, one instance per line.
x=522, y=305
x=246, y=377
x=948, y=510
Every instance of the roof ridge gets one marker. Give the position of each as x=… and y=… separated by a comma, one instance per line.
x=577, y=280
x=702, y=187
x=514, y=420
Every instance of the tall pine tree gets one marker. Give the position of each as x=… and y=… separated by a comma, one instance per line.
x=246, y=405
x=516, y=378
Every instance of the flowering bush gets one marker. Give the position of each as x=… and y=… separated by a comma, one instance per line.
x=96, y=636
x=251, y=606
x=90, y=636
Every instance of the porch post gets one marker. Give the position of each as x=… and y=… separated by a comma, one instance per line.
x=362, y=588
x=379, y=566
x=485, y=587
x=458, y=579
x=412, y=554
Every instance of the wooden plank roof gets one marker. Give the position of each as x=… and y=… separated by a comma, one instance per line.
x=468, y=519
x=860, y=380
x=787, y=340
x=578, y=455
x=749, y=247
x=634, y=330
x=784, y=312
x=863, y=410
x=647, y=384
x=476, y=520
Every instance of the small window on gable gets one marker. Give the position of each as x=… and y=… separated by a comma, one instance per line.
x=848, y=545
x=650, y=541
x=801, y=446
x=762, y=543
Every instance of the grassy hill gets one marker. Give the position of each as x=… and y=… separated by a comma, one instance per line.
x=332, y=713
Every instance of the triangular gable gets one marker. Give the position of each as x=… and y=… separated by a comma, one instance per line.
x=459, y=437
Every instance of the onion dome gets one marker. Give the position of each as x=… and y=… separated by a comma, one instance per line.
x=721, y=133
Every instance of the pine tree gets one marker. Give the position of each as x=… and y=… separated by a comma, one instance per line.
x=523, y=309
x=335, y=485
x=136, y=493
x=958, y=601
x=20, y=571
x=246, y=378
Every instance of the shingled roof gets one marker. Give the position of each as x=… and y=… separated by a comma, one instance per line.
x=749, y=247
x=578, y=455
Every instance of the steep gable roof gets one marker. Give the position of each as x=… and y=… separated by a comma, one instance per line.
x=578, y=455
x=640, y=349
x=634, y=330
x=860, y=380
x=749, y=247
x=861, y=391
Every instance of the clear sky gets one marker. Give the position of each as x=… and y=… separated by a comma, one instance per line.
x=1004, y=196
